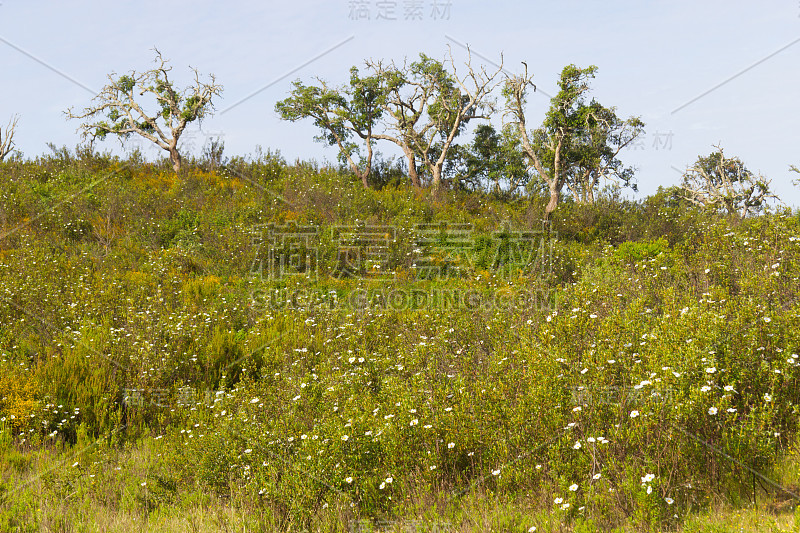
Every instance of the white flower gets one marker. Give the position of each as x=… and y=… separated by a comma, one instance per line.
x=451, y=445
x=596, y=476
x=728, y=388
x=767, y=397
x=565, y=506
x=577, y=445
x=590, y=439
x=712, y=410
x=382, y=486
x=649, y=489
x=767, y=319
x=573, y=487
x=558, y=500
x=248, y=450
x=389, y=479
x=531, y=529
x=348, y=479
x=711, y=370
x=496, y=472
x=345, y=437
x=432, y=467
x=255, y=400
x=414, y=422
x=669, y=501
x=296, y=398
x=648, y=478
x=731, y=410
x=634, y=414
x=705, y=388
x=576, y=409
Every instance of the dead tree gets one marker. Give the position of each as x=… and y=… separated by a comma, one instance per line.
x=121, y=114
x=429, y=106
x=7, y=137
x=725, y=183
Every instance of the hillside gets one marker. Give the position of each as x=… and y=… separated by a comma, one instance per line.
x=272, y=346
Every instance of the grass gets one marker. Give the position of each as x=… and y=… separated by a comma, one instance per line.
x=151, y=380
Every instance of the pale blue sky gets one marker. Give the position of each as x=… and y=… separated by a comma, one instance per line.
x=653, y=57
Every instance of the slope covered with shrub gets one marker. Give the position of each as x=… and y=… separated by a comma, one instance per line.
x=627, y=366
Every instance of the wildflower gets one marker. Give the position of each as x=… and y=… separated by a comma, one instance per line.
x=565, y=506
x=649, y=489
x=254, y=400
x=590, y=439
x=451, y=445
x=705, y=388
x=558, y=500
x=669, y=501
x=731, y=410
x=432, y=467
x=577, y=445
x=729, y=388
x=648, y=478
x=596, y=476
x=248, y=450
x=531, y=529
x=414, y=422
x=348, y=479
x=576, y=409
x=634, y=414
x=345, y=437
x=389, y=479
x=767, y=397
x=573, y=487
x=496, y=472
x=712, y=410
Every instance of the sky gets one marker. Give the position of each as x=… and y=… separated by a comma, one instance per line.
x=698, y=73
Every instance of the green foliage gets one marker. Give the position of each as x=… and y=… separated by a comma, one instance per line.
x=133, y=326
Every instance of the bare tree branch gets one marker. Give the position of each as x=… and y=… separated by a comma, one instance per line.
x=7, y=138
